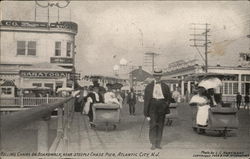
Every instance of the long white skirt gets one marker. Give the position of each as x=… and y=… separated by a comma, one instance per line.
x=202, y=115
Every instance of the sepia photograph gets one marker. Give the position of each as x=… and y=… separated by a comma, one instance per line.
x=124, y=79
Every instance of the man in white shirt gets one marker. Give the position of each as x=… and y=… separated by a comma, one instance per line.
x=157, y=98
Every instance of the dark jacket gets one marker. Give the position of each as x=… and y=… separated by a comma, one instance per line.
x=238, y=97
x=246, y=99
x=131, y=100
x=217, y=98
x=148, y=96
x=92, y=96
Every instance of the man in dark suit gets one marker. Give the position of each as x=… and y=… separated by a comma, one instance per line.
x=157, y=98
x=131, y=100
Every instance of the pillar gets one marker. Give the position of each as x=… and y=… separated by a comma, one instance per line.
x=171, y=87
x=189, y=87
x=182, y=85
x=239, y=83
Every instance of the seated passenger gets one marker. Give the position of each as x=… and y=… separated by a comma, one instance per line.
x=110, y=97
x=214, y=98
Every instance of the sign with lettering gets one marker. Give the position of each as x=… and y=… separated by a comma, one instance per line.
x=29, y=24
x=61, y=60
x=36, y=74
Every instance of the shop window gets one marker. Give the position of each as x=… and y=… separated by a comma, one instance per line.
x=6, y=91
x=58, y=48
x=21, y=48
x=32, y=48
x=68, y=53
x=37, y=84
x=226, y=88
x=50, y=85
x=243, y=88
x=235, y=88
x=230, y=88
x=247, y=77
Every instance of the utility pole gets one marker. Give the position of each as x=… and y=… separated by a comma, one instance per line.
x=200, y=39
x=149, y=59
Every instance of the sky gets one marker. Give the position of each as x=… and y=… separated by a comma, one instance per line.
x=109, y=31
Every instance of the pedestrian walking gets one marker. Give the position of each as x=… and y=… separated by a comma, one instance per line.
x=131, y=101
x=157, y=98
x=238, y=100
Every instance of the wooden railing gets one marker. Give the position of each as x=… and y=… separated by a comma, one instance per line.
x=27, y=101
x=41, y=114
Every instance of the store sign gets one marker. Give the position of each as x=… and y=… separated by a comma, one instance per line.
x=8, y=78
x=29, y=24
x=44, y=74
x=61, y=60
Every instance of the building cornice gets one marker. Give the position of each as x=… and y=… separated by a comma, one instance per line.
x=38, y=27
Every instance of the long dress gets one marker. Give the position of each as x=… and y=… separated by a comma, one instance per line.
x=203, y=108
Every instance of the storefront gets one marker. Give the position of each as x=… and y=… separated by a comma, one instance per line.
x=237, y=81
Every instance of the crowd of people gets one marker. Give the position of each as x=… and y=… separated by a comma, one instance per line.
x=98, y=94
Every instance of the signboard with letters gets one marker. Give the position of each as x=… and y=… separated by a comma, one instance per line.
x=61, y=60
x=31, y=24
x=43, y=74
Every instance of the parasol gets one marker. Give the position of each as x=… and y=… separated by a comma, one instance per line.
x=212, y=82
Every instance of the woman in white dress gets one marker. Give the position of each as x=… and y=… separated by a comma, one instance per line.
x=203, y=106
x=110, y=97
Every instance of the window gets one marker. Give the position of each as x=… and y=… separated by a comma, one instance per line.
x=31, y=48
x=230, y=88
x=37, y=84
x=6, y=91
x=243, y=88
x=50, y=85
x=26, y=48
x=235, y=88
x=21, y=48
x=68, y=53
x=58, y=48
x=226, y=88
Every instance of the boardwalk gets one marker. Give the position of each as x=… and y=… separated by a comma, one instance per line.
x=179, y=139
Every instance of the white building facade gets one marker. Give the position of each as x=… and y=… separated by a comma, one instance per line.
x=37, y=53
x=238, y=81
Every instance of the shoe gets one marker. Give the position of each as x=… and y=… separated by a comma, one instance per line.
x=153, y=147
x=158, y=147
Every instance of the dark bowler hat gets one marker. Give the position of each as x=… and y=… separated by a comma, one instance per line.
x=157, y=72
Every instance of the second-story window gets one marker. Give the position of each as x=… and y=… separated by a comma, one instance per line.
x=21, y=48
x=68, y=53
x=58, y=48
x=26, y=48
x=31, y=48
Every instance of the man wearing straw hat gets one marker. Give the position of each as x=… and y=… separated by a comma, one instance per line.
x=156, y=106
